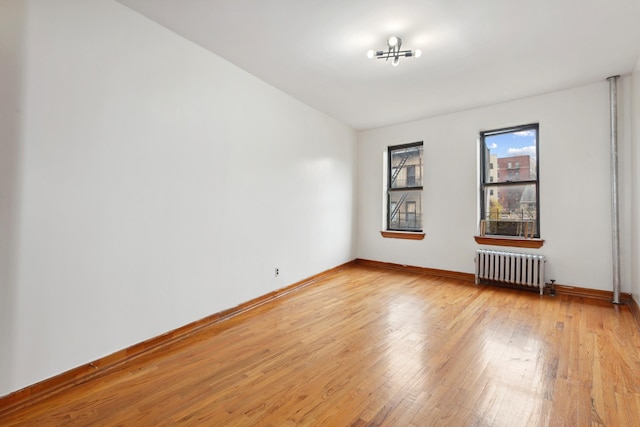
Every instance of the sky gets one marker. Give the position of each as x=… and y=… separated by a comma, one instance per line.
x=513, y=144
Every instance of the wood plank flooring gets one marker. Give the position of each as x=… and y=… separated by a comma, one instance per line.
x=371, y=346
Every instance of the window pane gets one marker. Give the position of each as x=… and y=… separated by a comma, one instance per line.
x=510, y=210
x=513, y=156
x=405, y=211
x=406, y=167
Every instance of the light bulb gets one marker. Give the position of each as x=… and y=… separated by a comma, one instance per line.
x=393, y=41
x=395, y=61
x=370, y=54
x=418, y=53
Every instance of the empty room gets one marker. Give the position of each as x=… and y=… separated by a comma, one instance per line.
x=356, y=213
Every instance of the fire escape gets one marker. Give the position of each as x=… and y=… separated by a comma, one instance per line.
x=396, y=209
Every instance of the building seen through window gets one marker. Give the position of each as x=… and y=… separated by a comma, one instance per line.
x=404, y=187
x=510, y=189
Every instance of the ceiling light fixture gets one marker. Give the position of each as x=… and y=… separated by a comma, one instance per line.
x=393, y=52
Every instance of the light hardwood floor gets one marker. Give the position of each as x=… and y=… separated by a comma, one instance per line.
x=371, y=346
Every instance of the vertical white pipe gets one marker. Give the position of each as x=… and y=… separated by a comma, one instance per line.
x=613, y=101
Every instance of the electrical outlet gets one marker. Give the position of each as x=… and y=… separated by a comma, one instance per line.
x=277, y=271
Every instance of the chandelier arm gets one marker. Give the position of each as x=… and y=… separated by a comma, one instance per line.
x=393, y=54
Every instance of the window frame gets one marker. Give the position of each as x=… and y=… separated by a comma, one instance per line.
x=486, y=184
x=390, y=189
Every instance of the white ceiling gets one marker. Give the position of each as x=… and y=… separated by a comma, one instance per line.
x=475, y=52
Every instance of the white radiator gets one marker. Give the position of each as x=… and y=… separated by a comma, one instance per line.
x=510, y=267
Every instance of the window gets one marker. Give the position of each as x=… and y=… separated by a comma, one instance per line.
x=510, y=203
x=411, y=217
x=411, y=176
x=404, y=188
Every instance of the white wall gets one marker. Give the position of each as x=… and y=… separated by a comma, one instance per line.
x=158, y=184
x=11, y=38
x=574, y=186
x=635, y=179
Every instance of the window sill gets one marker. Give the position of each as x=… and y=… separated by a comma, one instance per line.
x=402, y=235
x=518, y=242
